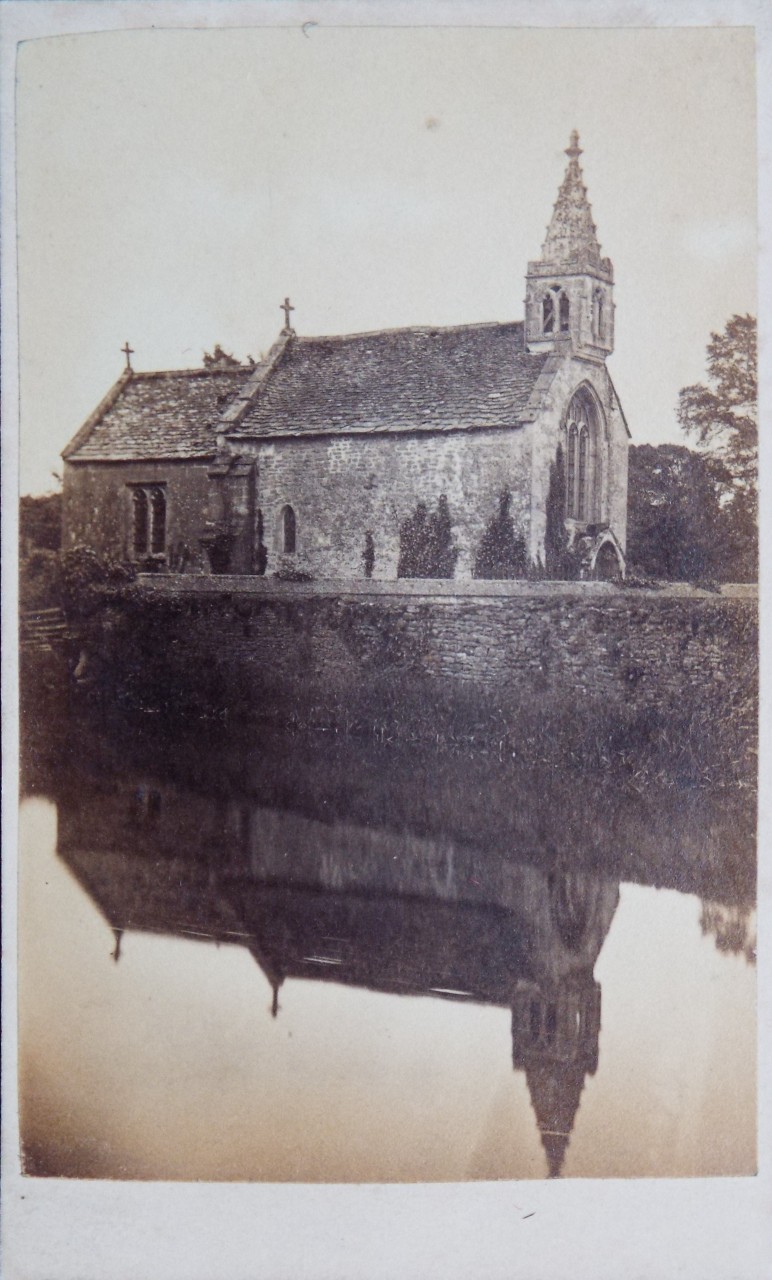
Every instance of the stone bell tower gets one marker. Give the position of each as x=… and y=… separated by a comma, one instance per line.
x=569, y=290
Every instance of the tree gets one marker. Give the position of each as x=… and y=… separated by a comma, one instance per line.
x=40, y=521
x=426, y=547
x=722, y=417
x=219, y=359
x=501, y=553
x=676, y=524
x=559, y=562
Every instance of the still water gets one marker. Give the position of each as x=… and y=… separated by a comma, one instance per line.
x=252, y=955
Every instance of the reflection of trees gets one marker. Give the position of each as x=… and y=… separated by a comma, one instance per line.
x=733, y=927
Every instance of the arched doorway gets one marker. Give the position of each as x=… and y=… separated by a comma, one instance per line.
x=608, y=563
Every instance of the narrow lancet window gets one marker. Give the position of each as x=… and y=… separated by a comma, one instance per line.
x=140, y=511
x=157, y=521
x=597, y=314
x=548, y=313
x=582, y=495
x=563, y=312
x=571, y=478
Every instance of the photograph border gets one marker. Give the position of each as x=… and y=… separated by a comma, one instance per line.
x=61, y=1229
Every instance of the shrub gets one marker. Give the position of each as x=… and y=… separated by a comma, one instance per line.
x=87, y=577
x=502, y=552
x=426, y=547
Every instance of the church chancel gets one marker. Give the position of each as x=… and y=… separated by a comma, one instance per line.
x=319, y=460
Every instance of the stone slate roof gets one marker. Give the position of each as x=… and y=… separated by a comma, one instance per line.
x=394, y=381
x=158, y=415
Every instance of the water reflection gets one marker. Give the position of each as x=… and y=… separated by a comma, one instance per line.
x=406, y=873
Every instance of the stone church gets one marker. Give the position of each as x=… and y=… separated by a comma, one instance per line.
x=325, y=457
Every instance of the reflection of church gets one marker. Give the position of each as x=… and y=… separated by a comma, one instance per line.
x=386, y=910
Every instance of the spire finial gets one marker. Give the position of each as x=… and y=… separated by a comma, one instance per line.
x=573, y=151
x=128, y=352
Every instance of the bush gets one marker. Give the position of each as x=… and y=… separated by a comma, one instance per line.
x=287, y=574
x=502, y=552
x=426, y=547
x=40, y=585
x=87, y=577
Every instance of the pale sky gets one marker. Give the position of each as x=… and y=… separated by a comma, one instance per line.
x=173, y=186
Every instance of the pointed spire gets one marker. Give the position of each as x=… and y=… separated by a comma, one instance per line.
x=571, y=235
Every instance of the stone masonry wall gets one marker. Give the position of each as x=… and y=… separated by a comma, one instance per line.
x=98, y=505
x=341, y=487
x=572, y=642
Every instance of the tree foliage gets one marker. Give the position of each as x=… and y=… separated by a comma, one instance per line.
x=426, y=547
x=40, y=522
x=220, y=359
x=676, y=526
x=502, y=552
x=721, y=416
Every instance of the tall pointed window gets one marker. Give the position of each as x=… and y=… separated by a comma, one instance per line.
x=581, y=491
x=149, y=520
x=563, y=312
x=571, y=478
x=548, y=313
x=584, y=455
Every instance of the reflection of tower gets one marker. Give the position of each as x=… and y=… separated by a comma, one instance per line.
x=555, y=1030
x=556, y=1012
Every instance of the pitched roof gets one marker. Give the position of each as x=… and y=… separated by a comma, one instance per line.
x=158, y=415
x=398, y=380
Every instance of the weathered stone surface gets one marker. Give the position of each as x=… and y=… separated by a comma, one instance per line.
x=564, y=641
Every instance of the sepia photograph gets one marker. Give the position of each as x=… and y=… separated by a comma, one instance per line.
x=388, y=610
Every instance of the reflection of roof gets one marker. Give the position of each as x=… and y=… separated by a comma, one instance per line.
x=172, y=895
x=157, y=415
x=390, y=944
x=396, y=380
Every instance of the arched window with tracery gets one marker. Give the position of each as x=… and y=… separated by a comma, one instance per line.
x=288, y=531
x=584, y=454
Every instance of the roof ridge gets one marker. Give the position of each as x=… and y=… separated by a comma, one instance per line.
x=409, y=328
x=200, y=371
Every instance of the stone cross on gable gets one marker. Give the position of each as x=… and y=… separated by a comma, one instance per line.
x=286, y=307
x=128, y=352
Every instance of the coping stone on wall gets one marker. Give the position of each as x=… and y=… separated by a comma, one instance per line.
x=450, y=589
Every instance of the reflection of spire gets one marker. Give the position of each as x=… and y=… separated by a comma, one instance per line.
x=555, y=1031
x=555, y=1089
x=117, y=934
